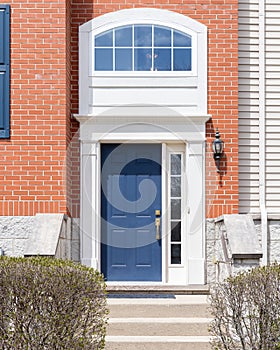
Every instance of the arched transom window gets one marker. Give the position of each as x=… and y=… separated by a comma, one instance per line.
x=139, y=61
x=143, y=47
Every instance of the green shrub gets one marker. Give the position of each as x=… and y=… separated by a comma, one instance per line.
x=246, y=310
x=51, y=304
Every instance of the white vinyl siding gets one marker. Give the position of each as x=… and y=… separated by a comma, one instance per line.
x=248, y=106
x=272, y=74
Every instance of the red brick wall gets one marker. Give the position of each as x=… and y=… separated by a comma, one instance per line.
x=33, y=160
x=35, y=173
x=222, y=189
x=221, y=18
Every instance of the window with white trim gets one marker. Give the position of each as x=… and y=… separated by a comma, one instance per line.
x=136, y=58
x=175, y=205
x=143, y=47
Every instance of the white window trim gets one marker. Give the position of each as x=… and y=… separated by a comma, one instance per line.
x=177, y=272
x=139, y=21
x=193, y=147
x=176, y=149
x=154, y=122
x=89, y=80
x=147, y=16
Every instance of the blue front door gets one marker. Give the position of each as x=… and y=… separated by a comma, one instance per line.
x=130, y=204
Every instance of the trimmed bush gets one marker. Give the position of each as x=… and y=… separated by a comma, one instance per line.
x=47, y=303
x=246, y=310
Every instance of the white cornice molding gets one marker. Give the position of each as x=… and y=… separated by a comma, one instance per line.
x=148, y=118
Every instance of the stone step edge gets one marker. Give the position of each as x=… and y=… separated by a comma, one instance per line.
x=165, y=320
x=185, y=300
x=158, y=339
x=157, y=288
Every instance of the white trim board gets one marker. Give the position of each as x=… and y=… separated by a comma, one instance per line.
x=144, y=108
x=103, y=93
x=91, y=138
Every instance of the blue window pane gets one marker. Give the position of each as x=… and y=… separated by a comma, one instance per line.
x=162, y=59
x=104, y=39
x=143, y=36
x=182, y=59
x=142, y=59
x=118, y=55
x=103, y=59
x=181, y=39
x=123, y=36
x=162, y=37
x=123, y=59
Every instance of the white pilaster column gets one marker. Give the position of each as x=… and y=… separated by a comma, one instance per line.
x=90, y=205
x=196, y=212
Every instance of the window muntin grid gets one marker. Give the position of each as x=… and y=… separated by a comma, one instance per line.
x=175, y=197
x=143, y=48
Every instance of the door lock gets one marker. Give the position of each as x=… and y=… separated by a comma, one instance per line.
x=157, y=223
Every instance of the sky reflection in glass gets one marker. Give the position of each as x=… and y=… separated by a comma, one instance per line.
x=143, y=48
x=123, y=37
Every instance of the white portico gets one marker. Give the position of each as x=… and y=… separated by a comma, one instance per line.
x=164, y=104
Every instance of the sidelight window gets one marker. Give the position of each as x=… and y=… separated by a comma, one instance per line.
x=175, y=198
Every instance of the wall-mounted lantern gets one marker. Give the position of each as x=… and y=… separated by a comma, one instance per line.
x=218, y=148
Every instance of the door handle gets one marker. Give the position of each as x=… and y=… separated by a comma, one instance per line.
x=157, y=223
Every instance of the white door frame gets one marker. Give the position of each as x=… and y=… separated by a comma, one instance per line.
x=187, y=130
x=144, y=107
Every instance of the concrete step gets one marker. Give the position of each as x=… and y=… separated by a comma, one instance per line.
x=129, y=288
x=157, y=343
x=178, y=322
x=167, y=310
x=158, y=326
x=179, y=306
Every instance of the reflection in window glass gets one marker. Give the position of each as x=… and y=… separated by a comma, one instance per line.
x=143, y=36
x=175, y=208
x=175, y=195
x=175, y=164
x=182, y=59
x=123, y=37
x=142, y=59
x=123, y=59
x=104, y=39
x=175, y=186
x=155, y=48
x=162, y=37
x=176, y=231
x=181, y=39
x=103, y=59
x=162, y=59
x=176, y=254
